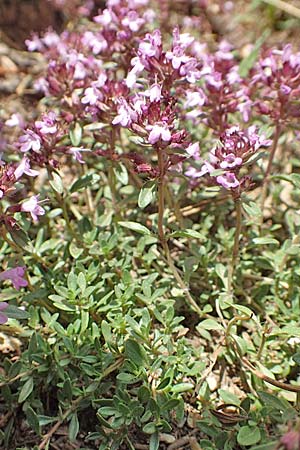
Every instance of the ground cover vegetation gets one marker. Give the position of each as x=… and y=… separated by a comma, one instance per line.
x=150, y=235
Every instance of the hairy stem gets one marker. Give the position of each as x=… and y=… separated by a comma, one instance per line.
x=161, y=196
x=88, y=194
x=235, y=250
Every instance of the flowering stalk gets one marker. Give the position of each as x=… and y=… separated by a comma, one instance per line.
x=235, y=250
x=88, y=195
x=161, y=196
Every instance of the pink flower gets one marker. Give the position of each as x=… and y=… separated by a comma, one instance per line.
x=3, y=317
x=30, y=141
x=230, y=161
x=32, y=206
x=16, y=276
x=154, y=93
x=193, y=150
x=24, y=167
x=151, y=45
x=126, y=115
x=133, y=21
x=48, y=123
x=16, y=120
x=91, y=96
x=76, y=153
x=197, y=98
x=158, y=132
x=34, y=44
x=228, y=180
x=138, y=67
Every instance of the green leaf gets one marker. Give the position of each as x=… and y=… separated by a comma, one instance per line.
x=271, y=401
x=16, y=313
x=265, y=241
x=154, y=441
x=73, y=427
x=163, y=384
x=19, y=237
x=26, y=390
x=57, y=183
x=81, y=282
x=134, y=226
x=149, y=428
x=210, y=324
x=143, y=394
x=121, y=173
x=85, y=181
x=189, y=233
x=127, y=378
x=252, y=209
x=33, y=420
x=75, y=134
x=147, y=194
x=248, y=435
x=229, y=398
x=85, y=317
x=75, y=251
x=135, y=352
x=296, y=358
x=182, y=387
x=106, y=331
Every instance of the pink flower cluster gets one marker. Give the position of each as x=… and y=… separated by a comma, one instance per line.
x=116, y=74
x=10, y=174
x=275, y=84
x=234, y=150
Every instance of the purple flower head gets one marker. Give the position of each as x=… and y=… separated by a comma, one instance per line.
x=32, y=206
x=16, y=276
x=194, y=151
x=151, y=46
x=158, y=132
x=30, y=141
x=24, y=167
x=3, y=317
x=235, y=148
x=239, y=144
x=95, y=41
x=228, y=180
x=106, y=18
x=76, y=153
x=138, y=67
x=276, y=82
x=230, y=161
x=154, y=93
x=91, y=96
x=16, y=120
x=195, y=98
x=48, y=123
x=133, y=21
x=35, y=43
x=126, y=114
